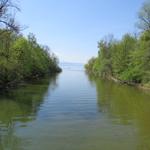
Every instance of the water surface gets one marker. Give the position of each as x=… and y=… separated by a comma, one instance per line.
x=72, y=111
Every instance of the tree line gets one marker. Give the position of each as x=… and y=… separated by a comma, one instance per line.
x=21, y=58
x=128, y=59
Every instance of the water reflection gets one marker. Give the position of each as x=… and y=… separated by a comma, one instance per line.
x=19, y=107
x=125, y=105
x=75, y=115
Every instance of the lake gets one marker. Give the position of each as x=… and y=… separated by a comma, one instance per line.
x=73, y=111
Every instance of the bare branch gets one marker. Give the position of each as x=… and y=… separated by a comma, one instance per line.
x=6, y=19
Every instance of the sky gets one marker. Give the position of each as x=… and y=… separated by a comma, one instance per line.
x=72, y=28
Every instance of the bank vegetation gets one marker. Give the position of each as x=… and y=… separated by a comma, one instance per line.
x=126, y=60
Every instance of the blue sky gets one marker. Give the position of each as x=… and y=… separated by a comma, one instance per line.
x=72, y=28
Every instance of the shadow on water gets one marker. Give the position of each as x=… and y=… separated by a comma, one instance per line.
x=19, y=107
x=125, y=105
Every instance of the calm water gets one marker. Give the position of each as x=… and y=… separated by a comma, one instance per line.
x=75, y=112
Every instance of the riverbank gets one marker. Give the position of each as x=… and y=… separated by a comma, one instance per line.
x=140, y=86
x=137, y=85
x=127, y=62
x=15, y=84
x=23, y=59
x=127, y=58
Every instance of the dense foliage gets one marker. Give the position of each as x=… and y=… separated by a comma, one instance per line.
x=128, y=59
x=21, y=58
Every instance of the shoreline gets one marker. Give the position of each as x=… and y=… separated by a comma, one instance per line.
x=137, y=85
x=15, y=84
x=140, y=86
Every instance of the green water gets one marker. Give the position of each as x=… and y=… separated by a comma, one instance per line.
x=72, y=111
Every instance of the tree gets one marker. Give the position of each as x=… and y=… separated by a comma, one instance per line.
x=121, y=52
x=144, y=16
x=7, y=19
x=104, y=55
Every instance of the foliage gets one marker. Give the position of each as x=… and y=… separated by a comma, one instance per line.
x=128, y=59
x=23, y=58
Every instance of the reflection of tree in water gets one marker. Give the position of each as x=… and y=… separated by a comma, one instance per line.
x=126, y=106
x=20, y=106
x=8, y=139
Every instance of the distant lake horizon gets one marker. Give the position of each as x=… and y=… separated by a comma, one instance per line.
x=72, y=66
